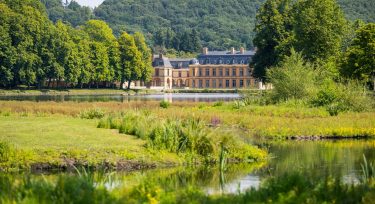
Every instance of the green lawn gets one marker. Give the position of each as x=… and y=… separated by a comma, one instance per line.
x=52, y=139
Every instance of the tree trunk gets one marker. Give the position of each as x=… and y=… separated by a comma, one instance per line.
x=129, y=82
x=49, y=82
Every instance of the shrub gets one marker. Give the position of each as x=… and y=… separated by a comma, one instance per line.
x=292, y=79
x=92, y=114
x=218, y=103
x=5, y=151
x=164, y=104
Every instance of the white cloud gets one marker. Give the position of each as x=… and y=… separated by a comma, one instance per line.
x=90, y=3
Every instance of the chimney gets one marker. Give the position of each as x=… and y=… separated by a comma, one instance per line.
x=232, y=51
x=161, y=55
x=205, y=50
x=242, y=50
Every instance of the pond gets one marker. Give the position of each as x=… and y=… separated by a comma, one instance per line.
x=312, y=160
x=171, y=97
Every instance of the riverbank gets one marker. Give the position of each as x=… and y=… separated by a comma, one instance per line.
x=57, y=92
x=47, y=135
x=268, y=122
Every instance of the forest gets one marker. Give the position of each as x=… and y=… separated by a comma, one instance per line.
x=34, y=51
x=218, y=24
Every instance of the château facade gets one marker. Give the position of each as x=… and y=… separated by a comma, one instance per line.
x=210, y=70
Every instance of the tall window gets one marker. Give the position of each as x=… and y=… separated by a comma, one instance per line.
x=234, y=83
x=220, y=72
x=241, y=83
x=226, y=72
x=207, y=83
x=200, y=72
x=156, y=72
x=220, y=83
x=214, y=72
x=241, y=72
x=179, y=74
x=248, y=83
x=234, y=72
x=193, y=72
x=207, y=72
x=193, y=84
x=214, y=83
x=227, y=83
x=200, y=83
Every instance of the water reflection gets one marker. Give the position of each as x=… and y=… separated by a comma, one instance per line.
x=171, y=97
x=313, y=160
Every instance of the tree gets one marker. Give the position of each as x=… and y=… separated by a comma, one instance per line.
x=273, y=28
x=130, y=60
x=100, y=62
x=359, y=59
x=146, y=53
x=319, y=29
x=292, y=79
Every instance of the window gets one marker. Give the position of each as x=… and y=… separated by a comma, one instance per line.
x=234, y=72
x=200, y=84
x=241, y=72
x=248, y=83
x=234, y=83
x=214, y=83
x=193, y=72
x=213, y=72
x=156, y=72
x=200, y=73
x=179, y=74
x=227, y=72
x=207, y=83
x=193, y=84
x=220, y=83
x=227, y=83
x=241, y=83
x=220, y=72
x=207, y=72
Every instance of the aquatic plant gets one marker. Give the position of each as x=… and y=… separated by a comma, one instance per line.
x=368, y=171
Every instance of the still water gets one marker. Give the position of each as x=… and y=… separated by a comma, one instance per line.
x=171, y=97
x=318, y=159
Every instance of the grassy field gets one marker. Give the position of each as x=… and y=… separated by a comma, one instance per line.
x=258, y=121
x=60, y=133
x=60, y=141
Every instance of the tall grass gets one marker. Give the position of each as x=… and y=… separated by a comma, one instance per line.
x=190, y=136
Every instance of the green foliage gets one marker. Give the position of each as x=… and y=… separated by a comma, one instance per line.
x=72, y=13
x=359, y=58
x=315, y=28
x=164, y=104
x=92, y=114
x=58, y=55
x=131, y=64
x=319, y=26
x=189, y=137
x=292, y=80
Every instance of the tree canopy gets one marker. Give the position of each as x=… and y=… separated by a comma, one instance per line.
x=34, y=51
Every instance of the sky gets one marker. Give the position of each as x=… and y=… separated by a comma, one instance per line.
x=90, y=3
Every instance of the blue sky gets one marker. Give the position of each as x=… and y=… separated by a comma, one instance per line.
x=91, y=3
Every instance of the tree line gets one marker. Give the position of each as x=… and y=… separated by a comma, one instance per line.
x=34, y=51
x=319, y=31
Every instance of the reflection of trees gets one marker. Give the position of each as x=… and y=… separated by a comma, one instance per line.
x=333, y=157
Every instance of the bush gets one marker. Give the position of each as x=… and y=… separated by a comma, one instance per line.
x=92, y=114
x=164, y=104
x=292, y=79
x=5, y=151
